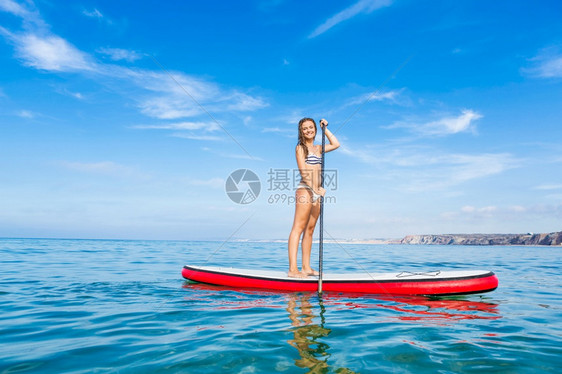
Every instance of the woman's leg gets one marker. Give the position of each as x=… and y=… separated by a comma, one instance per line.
x=307, y=239
x=303, y=206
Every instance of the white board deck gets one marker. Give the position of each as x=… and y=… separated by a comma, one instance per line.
x=360, y=276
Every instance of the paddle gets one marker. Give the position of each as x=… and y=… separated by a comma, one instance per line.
x=321, y=234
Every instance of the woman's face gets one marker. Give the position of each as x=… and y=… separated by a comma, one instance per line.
x=308, y=130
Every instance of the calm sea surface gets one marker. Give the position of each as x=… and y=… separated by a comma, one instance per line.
x=86, y=306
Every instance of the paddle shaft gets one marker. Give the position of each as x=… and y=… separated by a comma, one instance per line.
x=321, y=234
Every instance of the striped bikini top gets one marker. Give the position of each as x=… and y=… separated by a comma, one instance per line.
x=312, y=159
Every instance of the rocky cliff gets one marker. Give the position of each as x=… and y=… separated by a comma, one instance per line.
x=554, y=238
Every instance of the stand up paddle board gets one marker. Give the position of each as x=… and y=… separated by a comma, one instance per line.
x=434, y=283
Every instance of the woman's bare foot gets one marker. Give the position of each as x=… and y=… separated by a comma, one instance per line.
x=310, y=272
x=296, y=274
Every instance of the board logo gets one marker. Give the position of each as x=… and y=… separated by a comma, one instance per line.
x=243, y=186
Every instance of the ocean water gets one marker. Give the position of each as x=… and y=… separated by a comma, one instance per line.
x=99, y=306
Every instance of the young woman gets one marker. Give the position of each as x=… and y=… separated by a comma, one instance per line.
x=308, y=193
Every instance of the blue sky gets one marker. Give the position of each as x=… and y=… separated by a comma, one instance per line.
x=124, y=119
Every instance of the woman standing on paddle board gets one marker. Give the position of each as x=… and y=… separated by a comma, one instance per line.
x=308, y=193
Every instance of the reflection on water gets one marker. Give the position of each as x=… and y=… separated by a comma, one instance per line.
x=310, y=328
x=408, y=308
x=420, y=308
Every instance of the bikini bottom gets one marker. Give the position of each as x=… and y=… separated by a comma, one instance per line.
x=315, y=196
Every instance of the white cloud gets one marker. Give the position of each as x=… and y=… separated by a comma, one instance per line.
x=66, y=92
x=487, y=211
x=50, y=53
x=92, y=13
x=468, y=167
x=180, y=96
x=212, y=183
x=417, y=169
x=547, y=64
x=167, y=96
x=240, y=156
x=25, y=114
x=360, y=7
x=291, y=117
x=243, y=103
x=117, y=54
x=29, y=15
x=159, y=94
x=14, y=8
x=361, y=155
x=374, y=96
x=43, y=50
x=447, y=170
x=279, y=130
x=76, y=95
x=188, y=130
x=453, y=125
x=172, y=83
x=512, y=212
x=169, y=107
x=103, y=167
x=444, y=126
x=197, y=137
x=38, y=47
x=206, y=126
x=97, y=15
x=549, y=187
x=517, y=209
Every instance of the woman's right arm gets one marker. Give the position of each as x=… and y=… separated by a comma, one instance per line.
x=306, y=173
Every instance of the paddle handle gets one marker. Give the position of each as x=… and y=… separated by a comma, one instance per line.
x=321, y=234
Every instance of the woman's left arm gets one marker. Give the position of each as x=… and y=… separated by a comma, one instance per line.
x=334, y=143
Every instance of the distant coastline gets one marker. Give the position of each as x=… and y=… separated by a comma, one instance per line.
x=550, y=239
x=531, y=239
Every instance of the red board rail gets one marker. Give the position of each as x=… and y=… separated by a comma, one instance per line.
x=433, y=283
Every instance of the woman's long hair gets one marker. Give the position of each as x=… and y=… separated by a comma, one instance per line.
x=301, y=136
